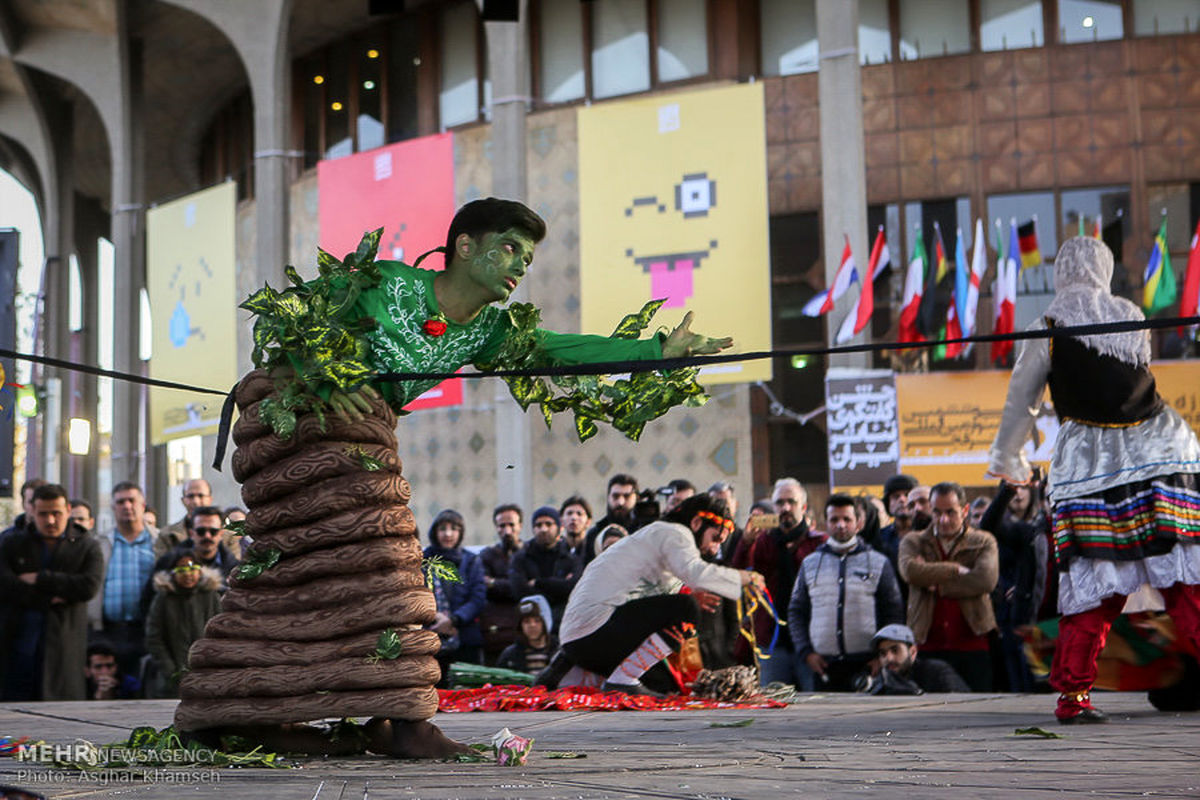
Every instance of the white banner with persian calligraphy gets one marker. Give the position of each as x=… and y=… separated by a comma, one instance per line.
x=863, y=426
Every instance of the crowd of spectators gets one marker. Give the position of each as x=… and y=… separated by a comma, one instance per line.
x=864, y=585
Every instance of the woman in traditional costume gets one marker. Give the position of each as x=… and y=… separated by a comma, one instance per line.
x=1123, y=478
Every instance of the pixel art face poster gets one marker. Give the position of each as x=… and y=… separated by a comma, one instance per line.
x=190, y=256
x=408, y=190
x=673, y=204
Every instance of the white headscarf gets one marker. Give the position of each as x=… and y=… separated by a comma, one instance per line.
x=1082, y=275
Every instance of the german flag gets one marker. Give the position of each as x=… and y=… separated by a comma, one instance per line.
x=1031, y=256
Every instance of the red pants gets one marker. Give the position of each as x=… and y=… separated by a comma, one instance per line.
x=1081, y=637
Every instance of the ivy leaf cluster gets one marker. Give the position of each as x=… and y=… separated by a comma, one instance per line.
x=256, y=562
x=627, y=403
x=310, y=337
x=387, y=646
x=438, y=568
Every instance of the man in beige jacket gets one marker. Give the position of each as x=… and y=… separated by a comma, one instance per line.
x=951, y=569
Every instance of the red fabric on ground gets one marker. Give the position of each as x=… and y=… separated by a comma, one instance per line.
x=575, y=698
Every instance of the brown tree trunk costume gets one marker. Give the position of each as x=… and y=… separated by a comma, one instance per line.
x=296, y=642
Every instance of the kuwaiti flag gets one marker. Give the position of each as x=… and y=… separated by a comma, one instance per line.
x=1159, y=291
x=975, y=279
x=864, y=306
x=1004, y=293
x=914, y=284
x=1190, y=301
x=822, y=302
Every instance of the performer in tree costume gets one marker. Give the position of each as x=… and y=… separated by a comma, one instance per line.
x=1123, y=479
x=324, y=618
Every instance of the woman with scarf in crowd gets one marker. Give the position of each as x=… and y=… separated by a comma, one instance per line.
x=1123, y=478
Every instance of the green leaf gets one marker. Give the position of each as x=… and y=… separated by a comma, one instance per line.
x=1045, y=734
x=261, y=302
x=741, y=723
x=364, y=459
x=255, y=562
x=237, y=527
x=293, y=275
x=327, y=261
x=438, y=568
x=387, y=646
x=563, y=754
x=632, y=325
x=368, y=246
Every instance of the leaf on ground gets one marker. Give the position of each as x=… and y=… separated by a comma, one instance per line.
x=563, y=754
x=741, y=723
x=1035, y=731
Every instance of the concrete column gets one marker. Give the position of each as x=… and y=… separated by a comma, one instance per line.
x=129, y=256
x=89, y=227
x=59, y=238
x=267, y=60
x=843, y=170
x=508, y=65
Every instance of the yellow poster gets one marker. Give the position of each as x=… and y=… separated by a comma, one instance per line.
x=190, y=283
x=673, y=205
x=948, y=419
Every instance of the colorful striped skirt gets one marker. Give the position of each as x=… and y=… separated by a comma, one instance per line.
x=1128, y=522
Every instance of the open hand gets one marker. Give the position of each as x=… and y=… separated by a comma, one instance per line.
x=682, y=342
x=351, y=406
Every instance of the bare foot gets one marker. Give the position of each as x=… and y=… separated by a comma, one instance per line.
x=404, y=739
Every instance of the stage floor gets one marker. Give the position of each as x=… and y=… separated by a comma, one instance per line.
x=951, y=746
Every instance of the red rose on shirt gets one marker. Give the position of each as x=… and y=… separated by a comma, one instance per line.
x=434, y=327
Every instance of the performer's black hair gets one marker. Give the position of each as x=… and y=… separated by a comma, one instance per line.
x=493, y=215
x=687, y=510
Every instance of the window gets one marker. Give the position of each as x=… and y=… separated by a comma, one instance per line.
x=1155, y=17
x=459, y=95
x=874, y=33
x=369, y=89
x=1089, y=20
x=1085, y=209
x=338, y=137
x=682, y=50
x=560, y=45
x=1010, y=24
x=789, y=36
x=621, y=48
x=930, y=29
x=403, y=61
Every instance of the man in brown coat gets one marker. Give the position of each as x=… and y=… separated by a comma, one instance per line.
x=951, y=569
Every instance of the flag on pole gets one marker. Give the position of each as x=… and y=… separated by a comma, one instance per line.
x=1097, y=229
x=933, y=302
x=939, y=254
x=975, y=279
x=914, y=284
x=1031, y=256
x=962, y=277
x=1004, y=293
x=864, y=305
x=847, y=273
x=953, y=331
x=1190, y=301
x=1159, y=291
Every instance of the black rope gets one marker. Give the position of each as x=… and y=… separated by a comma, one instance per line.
x=620, y=367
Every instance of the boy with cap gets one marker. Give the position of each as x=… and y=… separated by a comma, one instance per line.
x=545, y=565
x=900, y=672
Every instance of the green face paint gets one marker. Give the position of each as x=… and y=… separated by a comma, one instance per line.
x=500, y=261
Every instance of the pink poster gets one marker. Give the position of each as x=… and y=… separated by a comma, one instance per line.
x=407, y=189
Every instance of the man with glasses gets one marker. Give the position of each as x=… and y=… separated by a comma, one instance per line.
x=208, y=549
x=196, y=494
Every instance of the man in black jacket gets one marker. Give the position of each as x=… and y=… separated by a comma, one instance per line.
x=545, y=565
x=49, y=569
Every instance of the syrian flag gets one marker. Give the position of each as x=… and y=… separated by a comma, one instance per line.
x=975, y=279
x=847, y=273
x=1004, y=292
x=914, y=284
x=864, y=306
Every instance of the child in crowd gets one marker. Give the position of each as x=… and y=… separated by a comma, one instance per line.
x=535, y=644
x=186, y=596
